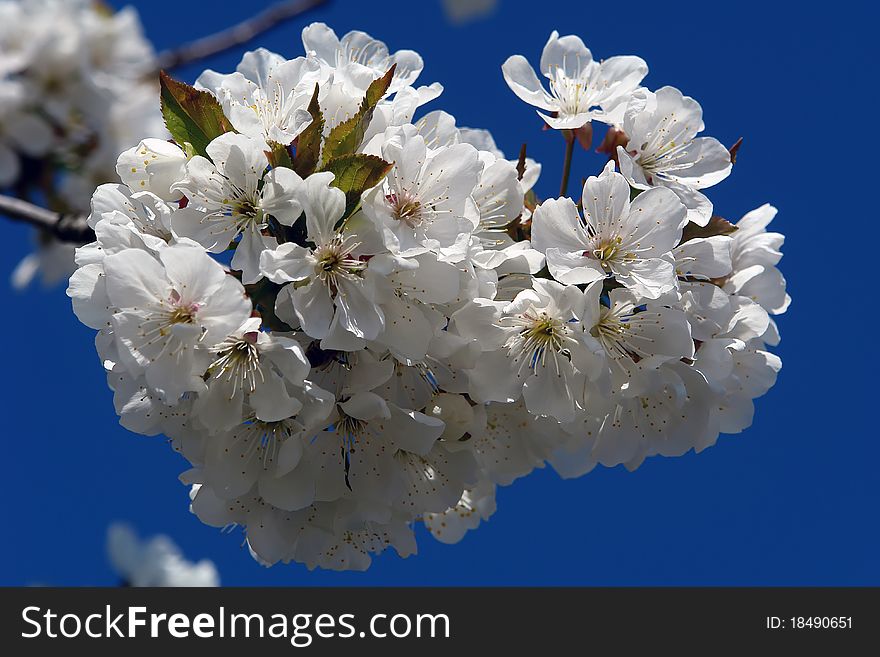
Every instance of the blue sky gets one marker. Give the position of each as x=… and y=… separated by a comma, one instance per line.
x=793, y=500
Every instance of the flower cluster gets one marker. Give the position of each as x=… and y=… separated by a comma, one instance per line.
x=77, y=86
x=349, y=319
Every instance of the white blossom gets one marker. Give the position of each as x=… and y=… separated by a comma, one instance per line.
x=154, y=166
x=544, y=356
x=754, y=256
x=75, y=90
x=256, y=368
x=169, y=310
x=426, y=201
x=631, y=241
x=267, y=97
x=664, y=150
x=232, y=195
x=581, y=89
x=336, y=296
x=358, y=58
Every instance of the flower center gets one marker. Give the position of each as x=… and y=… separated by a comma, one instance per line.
x=350, y=427
x=608, y=251
x=156, y=329
x=242, y=207
x=181, y=313
x=615, y=332
x=245, y=207
x=273, y=106
x=406, y=208
x=660, y=153
x=610, y=331
x=264, y=439
x=573, y=94
x=334, y=261
x=238, y=360
x=538, y=335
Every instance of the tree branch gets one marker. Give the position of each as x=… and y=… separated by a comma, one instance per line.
x=235, y=35
x=64, y=227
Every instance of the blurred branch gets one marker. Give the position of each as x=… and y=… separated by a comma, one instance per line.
x=65, y=227
x=235, y=35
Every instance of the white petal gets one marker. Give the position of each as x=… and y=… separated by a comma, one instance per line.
x=521, y=78
x=287, y=262
x=359, y=314
x=573, y=268
x=271, y=401
x=281, y=190
x=605, y=199
x=567, y=54
x=313, y=307
x=246, y=258
x=135, y=279
x=556, y=224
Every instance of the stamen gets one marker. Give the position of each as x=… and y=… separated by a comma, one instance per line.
x=238, y=361
x=539, y=335
x=264, y=439
x=334, y=261
x=406, y=208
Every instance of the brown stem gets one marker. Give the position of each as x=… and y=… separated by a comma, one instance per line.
x=236, y=35
x=566, y=165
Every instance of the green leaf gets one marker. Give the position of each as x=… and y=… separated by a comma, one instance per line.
x=716, y=226
x=356, y=173
x=308, y=143
x=191, y=115
x=346, y=137
x=376, y=90
x=279, y=156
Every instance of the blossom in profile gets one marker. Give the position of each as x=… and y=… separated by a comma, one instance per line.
x=358, y=59
x=581, y=89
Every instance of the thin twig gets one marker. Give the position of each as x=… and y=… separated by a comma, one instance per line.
x=235, y=35
x=64, y=227
x=566, y=164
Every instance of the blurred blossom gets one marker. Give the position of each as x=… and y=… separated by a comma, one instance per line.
x=77, y=86
x=155, y=562
x=463, y=11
